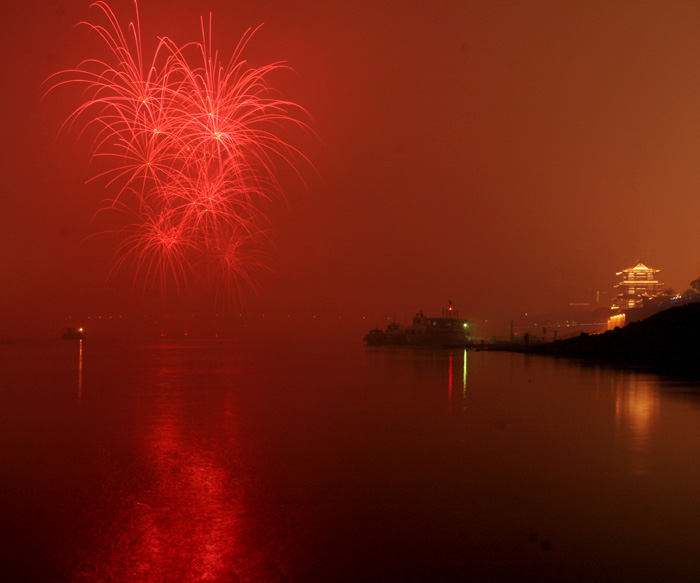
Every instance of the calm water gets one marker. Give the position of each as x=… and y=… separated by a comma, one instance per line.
x=223, y=462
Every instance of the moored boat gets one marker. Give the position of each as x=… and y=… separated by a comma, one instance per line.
x=445, y=331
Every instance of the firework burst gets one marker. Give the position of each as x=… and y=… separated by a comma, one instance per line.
x=193, y=144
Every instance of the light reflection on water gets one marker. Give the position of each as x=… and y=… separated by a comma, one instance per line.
x=80, y=370
x=184, y=523
x=457, y=364
x=187, y=520
x=225, y=462
x=637, y=405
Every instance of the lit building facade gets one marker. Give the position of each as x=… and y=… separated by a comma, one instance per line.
x=638, y=283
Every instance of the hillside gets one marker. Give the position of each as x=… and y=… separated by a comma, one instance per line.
x=668, y=339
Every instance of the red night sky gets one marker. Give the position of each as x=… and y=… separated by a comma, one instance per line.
x=508, y=155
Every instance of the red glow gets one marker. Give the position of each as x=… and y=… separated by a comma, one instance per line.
x=450, y=378
x=185, y=524
x=193, y=143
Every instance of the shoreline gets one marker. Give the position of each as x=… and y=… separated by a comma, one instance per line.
x=666, y=341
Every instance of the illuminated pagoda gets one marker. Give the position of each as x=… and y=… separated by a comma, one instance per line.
x=638, y=283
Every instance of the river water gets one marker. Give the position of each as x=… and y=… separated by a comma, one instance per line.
x=221, y=461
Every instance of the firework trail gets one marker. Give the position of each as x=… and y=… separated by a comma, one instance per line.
x=193, y=146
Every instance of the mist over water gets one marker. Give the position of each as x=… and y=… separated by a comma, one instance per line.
x=224, y=461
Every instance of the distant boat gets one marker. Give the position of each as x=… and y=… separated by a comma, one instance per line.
x=73, y=334
x=449, y=330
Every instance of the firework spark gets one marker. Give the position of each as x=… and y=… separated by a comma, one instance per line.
x=193, y=146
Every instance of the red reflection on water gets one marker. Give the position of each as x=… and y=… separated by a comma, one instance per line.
x=190, y=515
x=450, y=378
x=183, y=520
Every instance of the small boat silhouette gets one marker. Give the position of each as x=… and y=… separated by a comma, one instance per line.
x=73, y=334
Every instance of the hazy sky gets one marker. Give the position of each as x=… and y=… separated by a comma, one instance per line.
x=508, y=155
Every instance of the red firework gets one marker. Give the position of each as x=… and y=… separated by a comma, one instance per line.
x=194, y=145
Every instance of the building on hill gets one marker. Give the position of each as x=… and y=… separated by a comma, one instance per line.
x=638, y=283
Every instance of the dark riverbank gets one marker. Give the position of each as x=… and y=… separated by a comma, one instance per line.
x=668, y=340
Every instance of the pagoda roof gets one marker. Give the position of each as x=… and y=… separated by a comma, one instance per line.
x=639, y=268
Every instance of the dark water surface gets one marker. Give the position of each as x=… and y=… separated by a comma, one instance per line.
x=219, y=461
